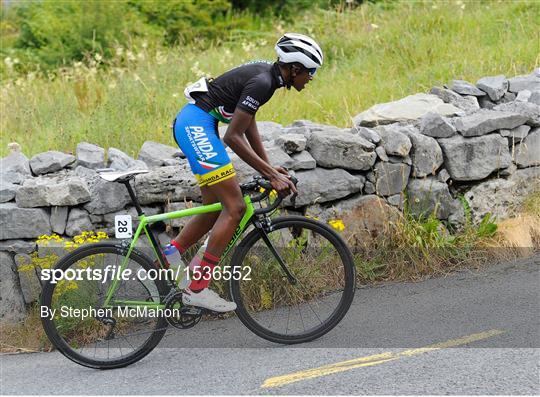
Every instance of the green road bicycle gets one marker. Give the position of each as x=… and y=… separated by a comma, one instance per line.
x=293, y=280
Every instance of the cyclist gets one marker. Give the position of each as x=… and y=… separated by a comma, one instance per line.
x=233, y=98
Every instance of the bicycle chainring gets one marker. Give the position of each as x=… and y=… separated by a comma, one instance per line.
x=183, y=317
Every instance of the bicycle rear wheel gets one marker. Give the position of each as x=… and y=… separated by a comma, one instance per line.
x=110, y=338
x=276, y=309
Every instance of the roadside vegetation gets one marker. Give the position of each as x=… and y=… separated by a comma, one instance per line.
x=129, y=90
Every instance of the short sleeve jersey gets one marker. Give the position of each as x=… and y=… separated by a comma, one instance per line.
x=247, y=87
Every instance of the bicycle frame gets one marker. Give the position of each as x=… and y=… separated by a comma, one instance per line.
x=144, y=221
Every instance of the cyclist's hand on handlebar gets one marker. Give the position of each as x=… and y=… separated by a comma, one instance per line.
x=282, y=183
x=282, y=170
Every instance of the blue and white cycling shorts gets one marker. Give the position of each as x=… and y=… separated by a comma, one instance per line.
x=196, y=133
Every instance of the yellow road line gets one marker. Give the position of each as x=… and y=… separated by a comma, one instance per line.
x=373, y=360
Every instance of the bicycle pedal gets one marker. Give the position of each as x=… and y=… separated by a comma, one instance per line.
x=192, y=311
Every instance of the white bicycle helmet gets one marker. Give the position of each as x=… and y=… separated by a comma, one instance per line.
x=295, y=47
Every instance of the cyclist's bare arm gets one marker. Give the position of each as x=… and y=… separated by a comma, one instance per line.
x=254, y=139
x=234, y=137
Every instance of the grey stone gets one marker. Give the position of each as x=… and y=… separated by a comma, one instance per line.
x=369, y=188
x=175, y=162
x=154, y=153
x=309, y=125
x=303, y=161
x=370, y=176
x=516, y=134
x=485, y=121
x=291, y=143
x=341, y=149
x=434, y=125
x=508, y=171
x=486, y=103
x=494, y=86
x=268, y=130
x=381, y=153
x=397, y=160
x=321, y=185
x=470, y=159
x=535, y=97
x=465, y=88
x=104, y=196
x=503, y=197
x=523, y=96
x=426, y=154
x=18, y=222
x=59, y=219
x=167, y=184
x=368, y=134
x=305, y=131
x=527, y=153
x=90, y=155
x=52, y=190
x=508, y=97
x=120, y=161
x=14, y=168
x=396, y=200
x=468, y=103
x=407, y=109
x=18, y=246
x=12, y=309
x=528, y=110
x=8, y=191
x=30, y=286
x=529, y=82
x=364, y=217
x=458, y=218
x=50, y=161
x=443, y=175
x=394, y=141
x=277, y=156
x=78, y=222
x=430, y=196
x=391, y=178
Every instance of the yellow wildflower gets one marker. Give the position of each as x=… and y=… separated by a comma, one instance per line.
x=337, y=224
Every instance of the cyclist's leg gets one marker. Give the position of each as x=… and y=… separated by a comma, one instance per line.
x=230, y=196
x=198, y=225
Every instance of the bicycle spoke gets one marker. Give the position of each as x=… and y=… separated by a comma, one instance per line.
x=114, y=338
x=319, y=262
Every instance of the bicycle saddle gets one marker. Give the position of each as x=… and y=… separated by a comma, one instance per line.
x=118, y=176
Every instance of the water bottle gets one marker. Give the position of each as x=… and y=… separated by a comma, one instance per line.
x=176, y=264
x=197, y=259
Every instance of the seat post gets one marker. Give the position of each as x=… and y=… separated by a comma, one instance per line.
x=134, y=198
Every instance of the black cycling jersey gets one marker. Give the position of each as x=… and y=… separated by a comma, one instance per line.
x=248, y=87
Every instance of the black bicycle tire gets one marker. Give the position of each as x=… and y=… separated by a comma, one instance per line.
x=345, y=302
x=58, y=341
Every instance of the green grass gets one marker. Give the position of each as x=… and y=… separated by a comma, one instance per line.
x=374, y=54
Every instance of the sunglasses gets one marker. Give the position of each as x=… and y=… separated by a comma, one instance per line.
x=312, y=71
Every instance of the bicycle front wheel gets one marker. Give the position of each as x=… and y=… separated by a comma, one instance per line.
x=304, y=304
x=102, y=336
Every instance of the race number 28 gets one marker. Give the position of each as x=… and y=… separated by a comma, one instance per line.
x=122, y=226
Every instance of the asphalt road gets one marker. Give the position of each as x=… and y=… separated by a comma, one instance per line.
x=474, y=332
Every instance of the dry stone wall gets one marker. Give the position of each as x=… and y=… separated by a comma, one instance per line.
x=479, y=140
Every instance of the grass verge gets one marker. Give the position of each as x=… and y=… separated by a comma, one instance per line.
x=373, y=54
